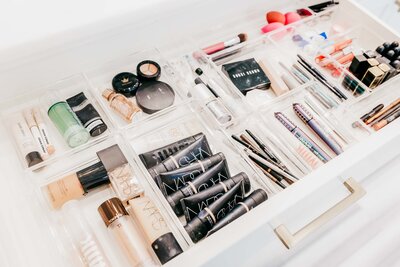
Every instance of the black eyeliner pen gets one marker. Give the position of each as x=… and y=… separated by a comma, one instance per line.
x=320, y=80
x=240, y=141
x=267, y=171
x=317, y=74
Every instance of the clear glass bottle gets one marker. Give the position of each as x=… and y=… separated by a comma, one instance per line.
x=117, y=220
x=121, y=105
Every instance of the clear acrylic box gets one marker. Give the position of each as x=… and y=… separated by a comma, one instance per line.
x=43, y=100
x=183, y=122
x=68, y=237
x=101, y=79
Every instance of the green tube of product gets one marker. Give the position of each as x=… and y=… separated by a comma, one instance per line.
x=68, y=124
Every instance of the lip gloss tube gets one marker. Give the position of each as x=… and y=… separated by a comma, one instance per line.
x=30, y=120
x=118, y=222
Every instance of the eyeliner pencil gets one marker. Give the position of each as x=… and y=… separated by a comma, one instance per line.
x=309, y=120
x=302, y=137
x=275, y=180
x=237, y=139
x=288, y=177
x=317, y=73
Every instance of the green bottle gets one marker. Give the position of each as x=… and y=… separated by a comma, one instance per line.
x=68, y=124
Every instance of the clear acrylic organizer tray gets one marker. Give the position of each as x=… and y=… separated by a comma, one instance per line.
x=74, y=246
x=183, y=122
x=43, y=99
x=101, y=79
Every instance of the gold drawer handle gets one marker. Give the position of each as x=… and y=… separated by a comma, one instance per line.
x=289, y=239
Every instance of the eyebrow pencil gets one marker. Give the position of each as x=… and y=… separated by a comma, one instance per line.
x=310, y=121
x=302, y=137
x=386, y=121
x=392, y=105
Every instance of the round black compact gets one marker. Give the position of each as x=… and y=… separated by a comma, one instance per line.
x=126, y=83
x=148, y=70
x=154, y=96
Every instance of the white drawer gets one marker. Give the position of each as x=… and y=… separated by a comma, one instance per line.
x=251, y=240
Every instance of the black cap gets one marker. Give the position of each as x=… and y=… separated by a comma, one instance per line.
x=380, y=49
x=394, y=44
x=396, y=64
x=199, y=71
x=93, y=176
x=166, y=247
x=174, y=202
x=33, y=158
x=196, y=229
x=126, y=83
x=246, y=181
x=154, y=96
x=256, y=197
x=390, y=54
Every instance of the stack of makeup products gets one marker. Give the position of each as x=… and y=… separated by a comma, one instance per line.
x=149, y=93
x=132, y=218
x=381, y=115
x=75, y=118
x=199, y=186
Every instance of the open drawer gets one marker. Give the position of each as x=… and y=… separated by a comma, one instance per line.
x=290, y=215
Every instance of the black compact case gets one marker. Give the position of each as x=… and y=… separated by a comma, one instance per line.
x=246, y=75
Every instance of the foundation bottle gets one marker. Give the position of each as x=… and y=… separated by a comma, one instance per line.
x=118, y=222
x=120, y=173
x=156, y=230
x=121, y=105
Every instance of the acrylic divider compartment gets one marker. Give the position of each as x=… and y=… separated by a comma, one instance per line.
x=43, y=121
x=186, y=124
x=141, y=97
x=78, y=229
x=276, y=162
x=368, y=106
x=315, y=139
x=208, y=88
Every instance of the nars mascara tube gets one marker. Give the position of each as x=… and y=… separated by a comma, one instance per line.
x=196, y=151
x=216, y=174
x=170, y=182
x=156, y=156
x=208, y=217
x=254, y=199
x=192, y=205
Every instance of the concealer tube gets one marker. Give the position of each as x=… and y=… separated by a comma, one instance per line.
x=120, y=225
x=196, y=151
x=155, y=228
x=170, y=182
x=213, y=176
x=25, y=141
x=120, y=173
x=254, y=199
x=43, y=130
x=208, y=217
x=156, y=156
x=30, y=120
x=75, y=185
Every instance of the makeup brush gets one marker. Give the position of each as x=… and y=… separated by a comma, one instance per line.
x=240, y=38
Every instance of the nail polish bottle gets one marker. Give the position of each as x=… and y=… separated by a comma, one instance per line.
x=120, y=225
x=121, y=105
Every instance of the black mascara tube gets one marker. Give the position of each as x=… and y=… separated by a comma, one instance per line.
x=208, y=217
x=192, y=205
x=156, y=156
x=254, y=199
x=172, y=181
x=198, y=150
x=216, y=174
